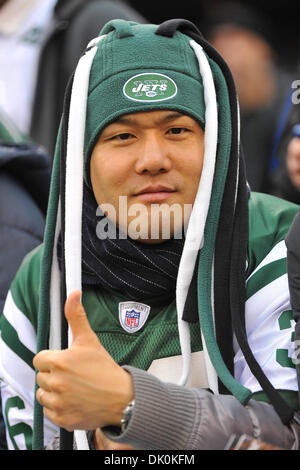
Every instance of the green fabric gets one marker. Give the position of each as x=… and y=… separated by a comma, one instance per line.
x=289, y=396
x=207, y=252
x=9, y=133
x=10, y=337
x=145, y=52
x=102, y=308
x=262, y=235
x=130, y=49
x=266, y=229
x=265, y=275
x=43, y=321
x=158, y=338
x=25, y=286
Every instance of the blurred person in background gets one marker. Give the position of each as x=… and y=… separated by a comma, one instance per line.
x=285, y=176
x=24, y=190
x=244, y=38
x=293, y=160
x=24, y=187
x=40, y=43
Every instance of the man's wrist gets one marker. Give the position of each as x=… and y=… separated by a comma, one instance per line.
x=114, y=431
x=127, y=397
x=127, y=413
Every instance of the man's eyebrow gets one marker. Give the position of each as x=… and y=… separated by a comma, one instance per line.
x=130, y=120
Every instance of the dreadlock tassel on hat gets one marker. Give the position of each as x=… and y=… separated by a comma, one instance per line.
x=72, y=228
x=90, y=110
x=74, y=170
x=74, y=184
x=195, y=232
x=123, y=53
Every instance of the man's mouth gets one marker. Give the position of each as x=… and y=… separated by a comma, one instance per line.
x=155, y=194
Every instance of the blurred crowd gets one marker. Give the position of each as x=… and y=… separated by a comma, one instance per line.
x=40, y=43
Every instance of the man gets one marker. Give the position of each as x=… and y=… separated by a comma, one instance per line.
x=157, y=273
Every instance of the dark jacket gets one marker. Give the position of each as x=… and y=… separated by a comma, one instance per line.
x=24, y=187
x=293, y=264
x=74, y=24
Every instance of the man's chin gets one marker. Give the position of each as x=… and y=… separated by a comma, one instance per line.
x=152, y=241
x=156, y=238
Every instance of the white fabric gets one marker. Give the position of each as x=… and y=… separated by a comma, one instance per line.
x=18, y=379
x=265, y=337
x=168, y=369
x=195, y=231
x=10, y=127
x=20, y=323
x=210, y=370
x=55, y=297
x=19, y=54
x=263, y=311
x=279, y=251
x=74, y=172
x=74, y=185
x=14, y=13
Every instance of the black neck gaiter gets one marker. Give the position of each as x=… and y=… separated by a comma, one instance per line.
x=138, y=271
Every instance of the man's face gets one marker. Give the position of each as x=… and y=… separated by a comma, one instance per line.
x=148, y=167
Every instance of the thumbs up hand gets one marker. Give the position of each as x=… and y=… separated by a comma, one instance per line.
x=81, y=387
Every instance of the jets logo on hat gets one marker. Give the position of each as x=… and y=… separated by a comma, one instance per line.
x=133, y=315
x=150, y=87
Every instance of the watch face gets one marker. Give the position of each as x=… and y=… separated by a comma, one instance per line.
x=127, y=415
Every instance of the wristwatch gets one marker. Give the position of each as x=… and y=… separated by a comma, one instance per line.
x=127, y=415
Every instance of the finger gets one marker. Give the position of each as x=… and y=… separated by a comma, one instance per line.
x=43, y=361
x=42, y=379
x=44, y=398
x=77, y=319
x=104, y=443
x=98, y=441
x=107, y=444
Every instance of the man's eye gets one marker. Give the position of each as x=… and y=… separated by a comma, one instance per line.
x=123, y=136
x=177, y=130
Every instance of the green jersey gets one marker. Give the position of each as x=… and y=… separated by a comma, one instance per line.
x=146, y=336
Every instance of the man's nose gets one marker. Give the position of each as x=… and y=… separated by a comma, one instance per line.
x=153, y=157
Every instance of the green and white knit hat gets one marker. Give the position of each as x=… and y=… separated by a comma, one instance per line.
x=135, y=70
x=132, y=68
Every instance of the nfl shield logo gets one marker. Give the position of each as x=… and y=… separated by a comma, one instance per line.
x=133, y=315
x=132, y=318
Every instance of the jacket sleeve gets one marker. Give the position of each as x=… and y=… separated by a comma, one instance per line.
x=17, y=350
x=21, y=225
x=168, y=416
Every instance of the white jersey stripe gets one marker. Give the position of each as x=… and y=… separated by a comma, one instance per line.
x=277, y=252
x=21, y=386
x=264, y=312
x=20, y=323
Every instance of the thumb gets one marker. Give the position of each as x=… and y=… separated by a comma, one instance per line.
x=77, y=319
